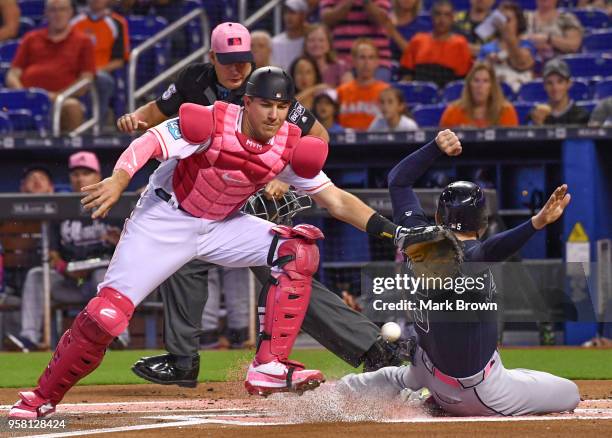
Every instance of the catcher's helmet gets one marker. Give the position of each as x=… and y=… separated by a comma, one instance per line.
x=462, y=207
x=270, y=83
x=279, y=211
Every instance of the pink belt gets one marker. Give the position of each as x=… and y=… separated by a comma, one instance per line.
x=465, y=382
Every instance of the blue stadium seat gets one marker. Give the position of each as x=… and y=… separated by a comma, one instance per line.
x=153, y=61
x=8, y=50
x=592, y=18
x=417, y=92
x=4, y=68
x=26, y=24
x=588, y=105
x=598, y=41
x=428, y=115
x=28, y=109
x=452, y=91
x=589, y=65
x=527, y=5
x=459, y=5
x=522, y=110
x=194, y=34
x=34, y=9
x=6, y=127
x=603, y=88
x=534, y=91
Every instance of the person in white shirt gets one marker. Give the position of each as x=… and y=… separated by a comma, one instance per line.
x=289, y=45
x=393, y=108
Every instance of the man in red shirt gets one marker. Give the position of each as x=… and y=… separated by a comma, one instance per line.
x=53, y=59
x=439, y=56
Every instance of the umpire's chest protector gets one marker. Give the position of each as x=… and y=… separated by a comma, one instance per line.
x=216, y=182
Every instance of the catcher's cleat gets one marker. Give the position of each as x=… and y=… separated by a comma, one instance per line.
x=272, y=377
x=163, y=370
x=31, y=406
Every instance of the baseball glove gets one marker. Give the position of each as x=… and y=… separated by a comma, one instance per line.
x=279, y=211
x=431, y=251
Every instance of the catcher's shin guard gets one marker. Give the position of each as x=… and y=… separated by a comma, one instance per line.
x=78, y=353
x=287, y=295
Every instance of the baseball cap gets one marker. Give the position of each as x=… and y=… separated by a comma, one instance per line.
x=557, y=66
x=297, y=5
x=37, y=167
x=85, y=159
x=231, y=42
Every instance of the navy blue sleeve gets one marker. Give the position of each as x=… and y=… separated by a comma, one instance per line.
x=407, y=210
x=499, y=247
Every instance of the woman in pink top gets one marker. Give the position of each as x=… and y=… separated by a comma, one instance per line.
x=318, y=46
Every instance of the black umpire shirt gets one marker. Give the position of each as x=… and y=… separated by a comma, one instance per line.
x=197, y=83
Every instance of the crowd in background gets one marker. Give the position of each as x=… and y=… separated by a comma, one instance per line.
x=343, y=55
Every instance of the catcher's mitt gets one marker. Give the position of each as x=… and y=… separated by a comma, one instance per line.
x=279, y=211
x=432, y=251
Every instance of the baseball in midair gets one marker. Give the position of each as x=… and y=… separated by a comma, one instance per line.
x=391, y=331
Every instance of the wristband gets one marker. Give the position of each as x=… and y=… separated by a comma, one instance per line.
x=381, y=227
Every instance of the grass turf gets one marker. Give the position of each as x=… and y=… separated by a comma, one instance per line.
x=22, y=370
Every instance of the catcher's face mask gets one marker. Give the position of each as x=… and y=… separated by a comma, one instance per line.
x=279, y=211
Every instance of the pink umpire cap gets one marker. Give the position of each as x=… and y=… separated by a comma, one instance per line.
x=231, y=42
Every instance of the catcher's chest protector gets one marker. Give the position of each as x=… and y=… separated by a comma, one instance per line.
x=214, y=183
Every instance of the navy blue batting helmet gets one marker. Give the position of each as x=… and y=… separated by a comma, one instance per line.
x=462, y=207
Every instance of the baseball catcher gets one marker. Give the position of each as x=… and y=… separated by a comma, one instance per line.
x=456, y=357
x=214, y=158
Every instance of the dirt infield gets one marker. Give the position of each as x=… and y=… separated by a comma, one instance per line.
x=223, y=410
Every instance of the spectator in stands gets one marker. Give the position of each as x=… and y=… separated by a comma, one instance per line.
x=358, y=98
x=393, y=118
x=352, y=19
x=37, y=179
x=318, y=45
x=482, y=103
x=54, y=58
x=307, y=79
x=288, y=45
x=512, y=56
x=9, y=19
x=440, y=56
x=404, y=24
x=602, y=114
x=560, y=109
x=553, y=31
x=261, y=47
x=326, y=109
x=604, y=5
x=109, y=33
x=466, y=22
x=72, y=240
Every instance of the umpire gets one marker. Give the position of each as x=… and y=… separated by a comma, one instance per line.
x=346, y=333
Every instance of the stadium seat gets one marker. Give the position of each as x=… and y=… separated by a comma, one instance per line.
x=26, y=24
x=28, y=109
x=598, y=41
x=4, y=68
x=34, y=9
x=452, y=91
x=153, y=61
x=527, y=5
x=592, y=18
x=417, y=92
x=8, y=50
x=428, y=115
x=6, y=127
x=522, y=110
x=194, y=34
x=141, y=26
x=534, y=91
x=588, y=105
x=589, y=65
x=603, y=88
x=459, y=5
